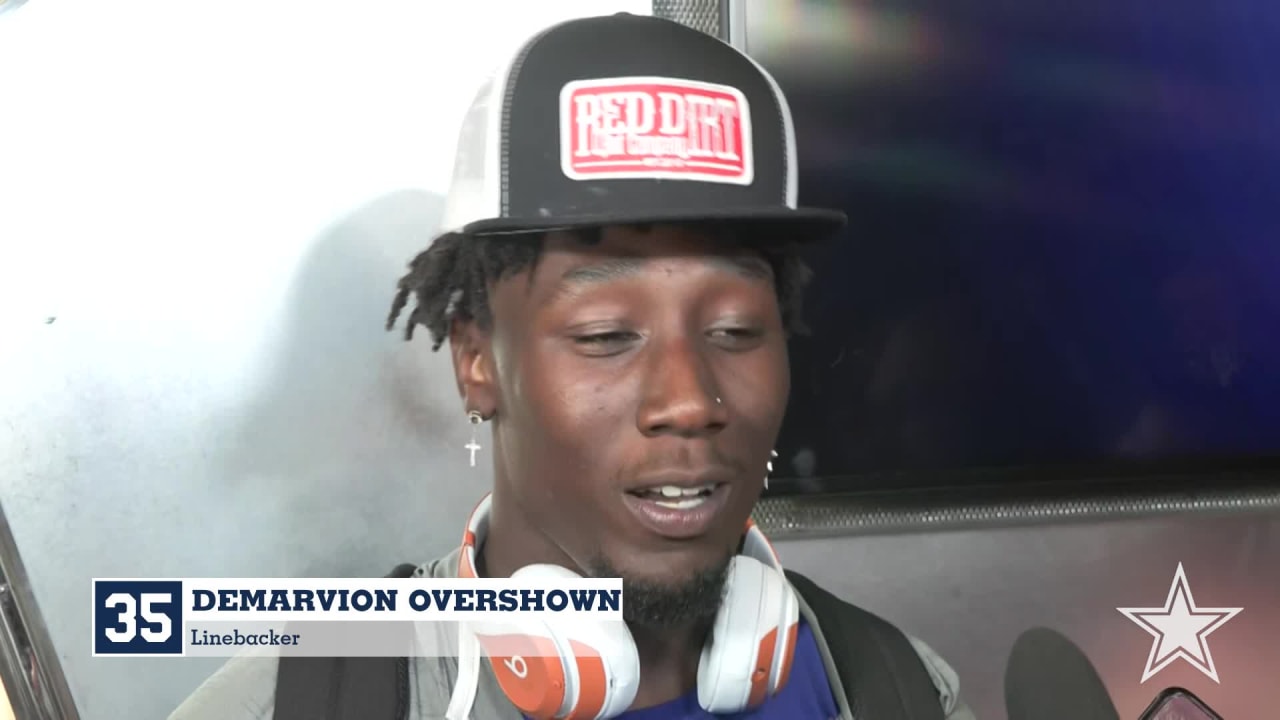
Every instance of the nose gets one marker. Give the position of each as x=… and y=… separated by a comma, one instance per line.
x=680, y=396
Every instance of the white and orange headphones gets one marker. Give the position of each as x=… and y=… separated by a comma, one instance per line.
x=584, y=670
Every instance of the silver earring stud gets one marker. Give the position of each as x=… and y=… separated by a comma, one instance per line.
x=475, y=419
x=769, y=468
x=719, y=401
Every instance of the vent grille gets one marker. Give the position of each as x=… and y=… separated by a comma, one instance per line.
x=815, y=516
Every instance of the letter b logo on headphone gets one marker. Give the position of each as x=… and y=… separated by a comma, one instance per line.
x=517, y=666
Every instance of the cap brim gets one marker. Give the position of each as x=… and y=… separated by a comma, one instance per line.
x=790, y=225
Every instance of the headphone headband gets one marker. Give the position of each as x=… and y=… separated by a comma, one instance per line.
x=583, y=669
x=754, y=543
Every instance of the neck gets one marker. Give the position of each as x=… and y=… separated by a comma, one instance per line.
x=669, y=658
x=514, y=542
x=669, y=655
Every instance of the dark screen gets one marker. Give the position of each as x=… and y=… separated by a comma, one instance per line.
x=1063, y=247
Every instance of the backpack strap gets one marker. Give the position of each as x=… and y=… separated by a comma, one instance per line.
x=353, y=688
x=882, y=674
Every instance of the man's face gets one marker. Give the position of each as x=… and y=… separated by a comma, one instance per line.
x=650, y=365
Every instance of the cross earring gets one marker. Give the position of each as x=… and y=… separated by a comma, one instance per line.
x=769, y=468
x=475, y=418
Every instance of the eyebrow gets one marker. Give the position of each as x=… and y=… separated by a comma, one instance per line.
x=748, y=266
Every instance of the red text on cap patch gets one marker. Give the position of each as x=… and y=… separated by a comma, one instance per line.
x=655, y=128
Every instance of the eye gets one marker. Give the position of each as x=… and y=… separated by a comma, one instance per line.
x=605, y=343
x=736, y=338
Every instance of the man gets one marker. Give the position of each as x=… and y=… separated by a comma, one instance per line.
x=616, y=290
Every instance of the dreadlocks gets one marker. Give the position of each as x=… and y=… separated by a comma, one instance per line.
x=451, y=279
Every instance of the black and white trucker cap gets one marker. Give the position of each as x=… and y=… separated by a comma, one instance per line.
x=628, y=119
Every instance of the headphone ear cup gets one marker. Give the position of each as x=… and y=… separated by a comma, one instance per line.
x=788, y=628
x=747, y=658
x=606, y=668
x=567, y=668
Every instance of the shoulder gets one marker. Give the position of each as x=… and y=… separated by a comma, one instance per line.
x=944, y=679
x=245, y=687
x=838, y=622
x=443, y=567
x=242, y=689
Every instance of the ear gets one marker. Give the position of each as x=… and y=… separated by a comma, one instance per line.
x=473, y=367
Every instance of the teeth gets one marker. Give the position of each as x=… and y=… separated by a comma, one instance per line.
x=674, y=497
x=682, y=504
x=672, y=491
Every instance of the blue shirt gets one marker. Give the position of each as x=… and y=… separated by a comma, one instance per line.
x=807, y=695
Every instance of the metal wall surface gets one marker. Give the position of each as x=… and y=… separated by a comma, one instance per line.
x=970, y=593
x=202, y=228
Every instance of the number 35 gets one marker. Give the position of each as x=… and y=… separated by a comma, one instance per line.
x=126, y=628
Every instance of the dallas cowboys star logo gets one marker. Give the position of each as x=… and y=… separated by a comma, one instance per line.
x=1180, y=628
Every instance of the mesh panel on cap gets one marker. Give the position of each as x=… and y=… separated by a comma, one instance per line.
x=704, y=15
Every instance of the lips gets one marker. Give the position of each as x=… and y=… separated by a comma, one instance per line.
x=678, y=509
x=676, y=496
